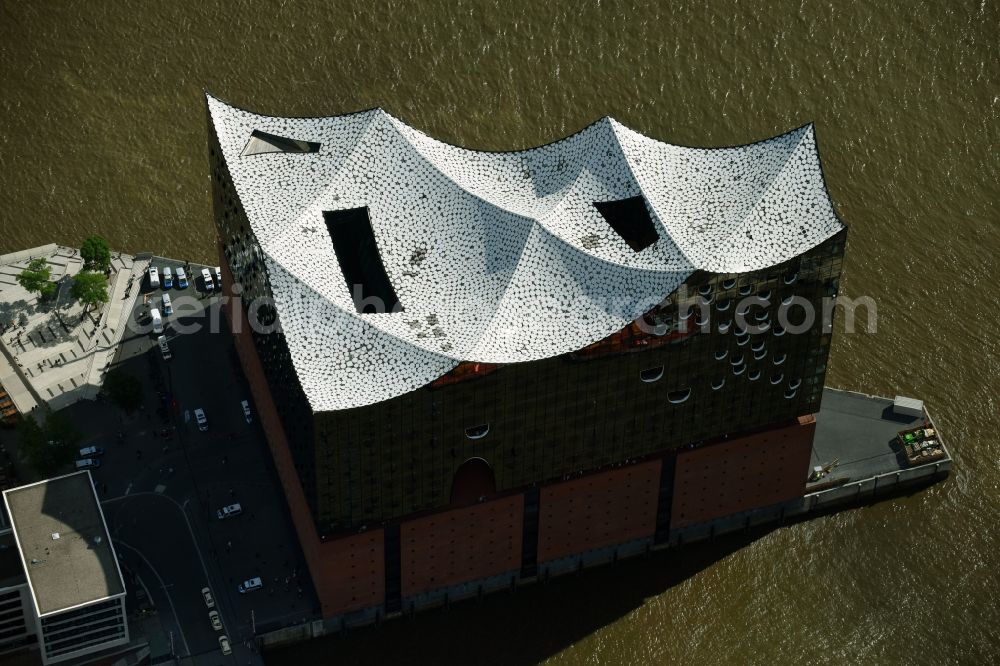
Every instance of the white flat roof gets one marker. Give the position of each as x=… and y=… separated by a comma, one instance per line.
x=64, y=543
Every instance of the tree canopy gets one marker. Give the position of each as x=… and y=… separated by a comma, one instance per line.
x=90, y=288
x=36, y=278
x=96, y=253
x=124, y=390
x=48, y=448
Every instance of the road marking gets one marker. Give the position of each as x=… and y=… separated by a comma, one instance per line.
x=173, y=610
x=159, y=488
x=129, y=488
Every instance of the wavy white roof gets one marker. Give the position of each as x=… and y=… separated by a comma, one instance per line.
x=500, y=257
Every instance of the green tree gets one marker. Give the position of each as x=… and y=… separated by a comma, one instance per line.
x=124, y=390
x=96, y=253
x=48, y=448
x=36, y=278
x=90, y=288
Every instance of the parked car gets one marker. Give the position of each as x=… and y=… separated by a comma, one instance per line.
x=213, y=617
x=164, y=347
x=217, y=273
x=168, y=308
x=168, y=278
x=154, y=278
x=209, y=599
x=246, y=410
x=206, y=278
x=199, y=416
x=154, y=315
x=90, y=451
x=224, y=645
x=250, y=585
x=229, y=511
x=88, y=463
x=182, y=279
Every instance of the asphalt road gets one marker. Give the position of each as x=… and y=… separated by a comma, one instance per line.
x=162, y=481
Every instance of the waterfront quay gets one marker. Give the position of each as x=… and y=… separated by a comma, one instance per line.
x=856, y=438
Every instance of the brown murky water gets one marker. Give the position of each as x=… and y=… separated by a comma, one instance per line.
x=102, y=129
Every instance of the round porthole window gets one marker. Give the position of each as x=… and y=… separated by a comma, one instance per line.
x=650, y=375
x=477, y=432
x=679, y=396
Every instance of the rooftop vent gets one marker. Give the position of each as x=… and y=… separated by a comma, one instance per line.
x=354, y=242
x=55, y=535
x=630, y=219
x=262, y=142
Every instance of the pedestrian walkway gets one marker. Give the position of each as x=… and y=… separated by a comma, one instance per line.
x=58, y=353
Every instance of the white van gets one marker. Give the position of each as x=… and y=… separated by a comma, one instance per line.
x=168, y=278
x=168, y=309
x=157, y=320
x=250, y=585
x=206, y=279
x=164, y=347
x=154, y=278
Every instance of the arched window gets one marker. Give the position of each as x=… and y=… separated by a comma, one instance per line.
x=723, y=304
x=776, y=378
x=790, y=278
x=754, y=375
x=737, y=359
x=742, y=338
x=477, y=432
x=739, y=369
x=789, y=394
x=650, y=375
x=766, y=294
x=720, y=354
x=779, y=358
x=679, y=396
x=724, y=326
x=718, y=383
x=794, y=384
x=787, y=299
x=760, y=354
x=728, y=284
x=746, y=289
x=778, y=331
x=705, y=289
x=707, y=299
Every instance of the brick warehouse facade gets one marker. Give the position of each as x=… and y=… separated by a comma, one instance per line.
x=497, y=473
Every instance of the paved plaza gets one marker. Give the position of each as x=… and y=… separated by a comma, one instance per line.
x=58, y=353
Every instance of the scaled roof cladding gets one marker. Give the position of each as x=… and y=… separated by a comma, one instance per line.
x=500, y=257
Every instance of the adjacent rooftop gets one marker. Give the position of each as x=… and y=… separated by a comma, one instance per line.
x=64, y=543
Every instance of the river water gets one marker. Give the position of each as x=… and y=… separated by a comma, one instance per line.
x=102, y=129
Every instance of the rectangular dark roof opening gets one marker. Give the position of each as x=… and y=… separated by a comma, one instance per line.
x=630, y=219
x=354, y=243
x=262, y=142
